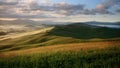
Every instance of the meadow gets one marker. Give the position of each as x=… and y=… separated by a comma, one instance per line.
x=64, y=46
x=95, y=58
x=59, y=34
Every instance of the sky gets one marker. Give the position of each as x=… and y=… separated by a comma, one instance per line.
x=61, y=10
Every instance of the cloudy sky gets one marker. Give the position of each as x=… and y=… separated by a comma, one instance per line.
x=61, y=10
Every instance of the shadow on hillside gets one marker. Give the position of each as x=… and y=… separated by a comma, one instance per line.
x=85, y=32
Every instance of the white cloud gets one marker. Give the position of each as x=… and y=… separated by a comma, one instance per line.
x=50, y=9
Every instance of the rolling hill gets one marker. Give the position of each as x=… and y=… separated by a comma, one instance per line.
x=76, y=45
x=60, y=34
x=105, y=24
x=18, y=26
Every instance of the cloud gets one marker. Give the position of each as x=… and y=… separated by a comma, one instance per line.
x=101, y=9
x=104, y=7
x=8, y=2
x=48, y=8
x=110, y=3
x=43, y=8
x=118, y=10
x=59, y=8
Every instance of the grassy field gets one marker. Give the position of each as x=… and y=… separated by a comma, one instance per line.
x=64, y=46
x=62, y=34
x=89, y=58
x=104, y=54
x=61, y=47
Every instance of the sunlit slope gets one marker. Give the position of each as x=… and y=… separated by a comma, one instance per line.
x=64, y=56
x=27, y=33
x=63, y=48
x=60, y=34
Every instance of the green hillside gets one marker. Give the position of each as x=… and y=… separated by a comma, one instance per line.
x=61, y=34
x=84, y=31
x=70, y=46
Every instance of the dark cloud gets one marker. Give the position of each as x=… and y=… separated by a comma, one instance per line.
x=6, y=7
x=105, y=6
x=100, y=9
x=60, y=8
x=6, y=2
x=70, y=9
x=118, y=10
x=109, y=3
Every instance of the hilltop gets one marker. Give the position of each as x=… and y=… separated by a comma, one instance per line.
x=60, y=34
x=69, y=45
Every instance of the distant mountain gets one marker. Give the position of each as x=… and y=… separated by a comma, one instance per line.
x=17, y=22
x=104, y=24
x=93, y=24
x=24, y=25
x=19, y=25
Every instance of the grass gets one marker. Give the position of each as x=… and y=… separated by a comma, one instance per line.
x=63, y=47
x=96, y=58
x=66, y=46
x=83, y=31
x=63, y=34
